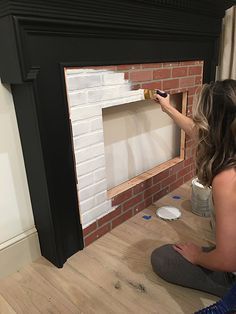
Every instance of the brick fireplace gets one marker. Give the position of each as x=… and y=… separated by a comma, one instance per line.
x=89, y=90
x=173, y=38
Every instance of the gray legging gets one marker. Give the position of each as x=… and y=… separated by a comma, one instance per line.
x=174, y=268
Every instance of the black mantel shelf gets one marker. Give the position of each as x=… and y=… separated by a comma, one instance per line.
x=40, y=37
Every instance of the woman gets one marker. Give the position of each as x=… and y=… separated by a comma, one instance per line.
x=214, y=128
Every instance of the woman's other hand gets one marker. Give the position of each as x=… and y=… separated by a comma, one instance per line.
x=189, y=251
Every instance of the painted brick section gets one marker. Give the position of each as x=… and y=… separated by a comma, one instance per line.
x=94, y=88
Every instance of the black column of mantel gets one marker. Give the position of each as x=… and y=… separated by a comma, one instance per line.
x=39, y=39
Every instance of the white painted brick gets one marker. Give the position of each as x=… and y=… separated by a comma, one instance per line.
x=81, y=127
x=89, y=166
x=102, y=93
x=86, y=205
x=73, y=71
x=77, y=98
x=86, y=193
x=86, y=180
x=96, y=124
x=94, y=213
x=88, y=139
x=99, y=174
x=124, y=89
x=92, y=190
x=100, y=198
x=89, y=153
x=82, y=81
x=84, y=112
x=113, y=78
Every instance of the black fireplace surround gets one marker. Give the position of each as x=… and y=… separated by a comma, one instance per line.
x=41, y=37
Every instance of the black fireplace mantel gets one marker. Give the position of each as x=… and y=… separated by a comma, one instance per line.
x=41, y=37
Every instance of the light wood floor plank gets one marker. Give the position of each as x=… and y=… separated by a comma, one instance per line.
x=5, y=307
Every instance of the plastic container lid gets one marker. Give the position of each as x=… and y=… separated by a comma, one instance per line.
x=168, y=213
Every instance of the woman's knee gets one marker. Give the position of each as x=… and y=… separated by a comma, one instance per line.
x=161, y=259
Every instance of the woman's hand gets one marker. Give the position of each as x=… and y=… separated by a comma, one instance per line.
x=164, y=102
x=189, y=251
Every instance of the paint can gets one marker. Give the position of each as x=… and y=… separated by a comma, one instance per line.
x=200, y=199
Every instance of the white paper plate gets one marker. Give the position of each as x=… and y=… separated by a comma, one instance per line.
x=168, y=213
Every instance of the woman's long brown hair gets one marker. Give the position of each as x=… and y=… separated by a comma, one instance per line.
x=215, y=118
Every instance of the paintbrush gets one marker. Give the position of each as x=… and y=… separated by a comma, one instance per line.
x=150, y=93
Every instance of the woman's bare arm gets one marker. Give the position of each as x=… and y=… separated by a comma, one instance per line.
x=181, y=120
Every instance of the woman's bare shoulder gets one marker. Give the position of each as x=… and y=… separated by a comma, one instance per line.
x=225, y=180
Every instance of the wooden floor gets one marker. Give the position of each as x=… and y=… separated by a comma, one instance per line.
x=113, y=275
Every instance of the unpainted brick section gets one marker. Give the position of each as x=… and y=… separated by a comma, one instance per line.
x=122, y=218
x=170, y=84
x=97, y=234
x=197, y=70
x=110, y=216
x=122, y=197
x=179, y=72
x=161, y=74
x=133, y=201
x=153, y=85
x=141, y=76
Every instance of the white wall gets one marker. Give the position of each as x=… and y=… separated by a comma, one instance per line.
x=16, y=217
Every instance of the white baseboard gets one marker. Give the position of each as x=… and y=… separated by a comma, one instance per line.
x=19, y=252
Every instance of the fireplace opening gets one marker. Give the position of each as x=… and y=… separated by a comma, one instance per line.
x=139, y=137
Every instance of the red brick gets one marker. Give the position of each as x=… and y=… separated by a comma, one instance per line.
x=161, y=74
x=188, y=62
x=167, y=181
x=176, y=168
x=153, y=85
x=122, y=197
x=97, y=234
x=133, y=201
x=171, y=84
x=128, y=67
x=188, y=176
x=171, y=64
x=192, y=90
x=160, y=194
x=152, y=190
x=188, y=161
x=141, y=76
x=178, y=72
x=122, y=218
x=148, y=202
x=152, y=65
x=176, y=184
x=183, y=172
x=138, y=208
x=110, y=216
x=198, y=80
x=187, y=81
x=160, y=176
x=89, y=229
x=126, y=75
x=142, y=186
x=190, y=100
x=196, y=70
